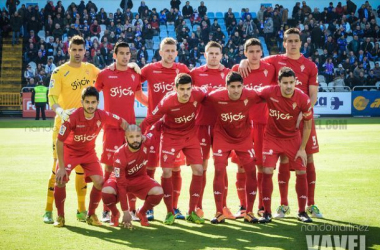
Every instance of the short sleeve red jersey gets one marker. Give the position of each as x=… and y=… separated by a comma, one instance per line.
x=160, y=81
x=79, y=133
x=283, y=112
x=119, y=89
x=232, y=116
x=178, y=118
x=212, y=78
x=128, y=166
x=263, y=76
x=306, y=71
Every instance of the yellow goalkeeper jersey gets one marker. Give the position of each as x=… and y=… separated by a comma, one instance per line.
x=68, y=83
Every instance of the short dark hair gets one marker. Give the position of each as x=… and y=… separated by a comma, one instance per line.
x=213, y=44
x=291, y=31
x=233, y=77
x=120, y=44
x=285, y=72
x=90, y=91
x=183, y=78
x=77, y=40
x=252, y=42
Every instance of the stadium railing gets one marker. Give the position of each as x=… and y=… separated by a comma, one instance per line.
x=10, y=99
x=365, y=87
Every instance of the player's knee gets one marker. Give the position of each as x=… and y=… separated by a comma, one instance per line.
x=108, y=190
x=97, y=180
x=176, y=169
x=310, y=158
x=284, y=159
x=197, y=169
x=260, y=168
x=240, y=169
x=156, y=191
x=108, y=168
x=166, y=172
x=300, y=172
x=267, y=170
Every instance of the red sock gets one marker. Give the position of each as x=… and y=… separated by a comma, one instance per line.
x=195, y=189
x=131, y=202
x=240, y=187
x=106, y=177
x=225, y=189
x=219, y=187
x=110, y=201
x=167, y=185
x=150, y=202
x=203, y=189
x=267, y=192
x=260, y=189
x=311, y=179
x=283, y=182
x=151, y=172
x=177, y=185
x=250, y=185
x=95, y=197
x=301, y=188
x=59, y=198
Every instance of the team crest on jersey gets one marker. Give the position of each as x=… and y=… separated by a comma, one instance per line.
x=195, y=104
x=98, y=123
x=266, y=73
x=117, y=161
x=177, y=71
x=87, y=72
x=245, y=102
x=51, y=85
x=133, y=77
x=109, y=156
x=294, y=105
x=145, y=150
x=222, y=75
x=302, y=68
x=165, y=157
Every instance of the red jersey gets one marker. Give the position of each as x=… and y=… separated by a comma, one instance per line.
x=263, y=76
x=178, y=118
x=119, y=89
x=128, y=166
x=306, y=71
x=232, y=116
x=205, y=77
x=79, y=133
x=283, y=112
x=160, y=81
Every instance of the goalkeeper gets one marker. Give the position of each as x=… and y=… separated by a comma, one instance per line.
x=66, y=85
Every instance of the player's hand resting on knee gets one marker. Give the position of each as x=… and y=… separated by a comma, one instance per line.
x=302, y=154
x=60, y=175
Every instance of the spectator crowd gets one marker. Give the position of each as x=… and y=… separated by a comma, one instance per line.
x=342, y=40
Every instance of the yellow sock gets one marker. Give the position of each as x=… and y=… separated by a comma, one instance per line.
x=81, y=187
x=50, y=192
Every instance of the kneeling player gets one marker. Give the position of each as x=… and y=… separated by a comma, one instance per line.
x=282, y=138
x=130, y=176
x=76, y=146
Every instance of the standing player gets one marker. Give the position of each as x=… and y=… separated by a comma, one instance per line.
x=130, y=176
x=211, y=75
x=232, y=105
x=285, y=103
x=76, y=146
x=178, y=109
x=160, y=77
x=120, y=87
x=66, y=84
x=306, y=80
x=261, y=74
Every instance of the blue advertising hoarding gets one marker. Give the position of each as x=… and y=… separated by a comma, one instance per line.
x=365, y=103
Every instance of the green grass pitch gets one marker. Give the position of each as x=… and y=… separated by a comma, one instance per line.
x=348, y=194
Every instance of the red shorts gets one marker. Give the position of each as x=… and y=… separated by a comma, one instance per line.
x=89, y=162
x=312, y=145
x=205, y=135
x=154, y=149
x=113, y=138
x=274, y=147
x=171, y=147
x=139, y=186
x=222, y=150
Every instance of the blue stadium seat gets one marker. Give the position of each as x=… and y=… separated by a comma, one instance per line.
x=188, y=23
x=163, y=28
x=163, y=34
x=156, y=45
x=237, y=14
x=150, y=54
x=221, y=21
x=195, y=27
x=210, y=14
x=170, y=27
x=219, y=15
x=253, y=15
x=156, y=39
x=172, y=34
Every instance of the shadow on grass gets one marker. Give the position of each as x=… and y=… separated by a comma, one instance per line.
x=281, y=234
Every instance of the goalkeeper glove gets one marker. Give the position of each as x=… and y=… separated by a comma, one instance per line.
x=64, y=114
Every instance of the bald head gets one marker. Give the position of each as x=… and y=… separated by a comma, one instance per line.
x=133, y=137
x=133, y=128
